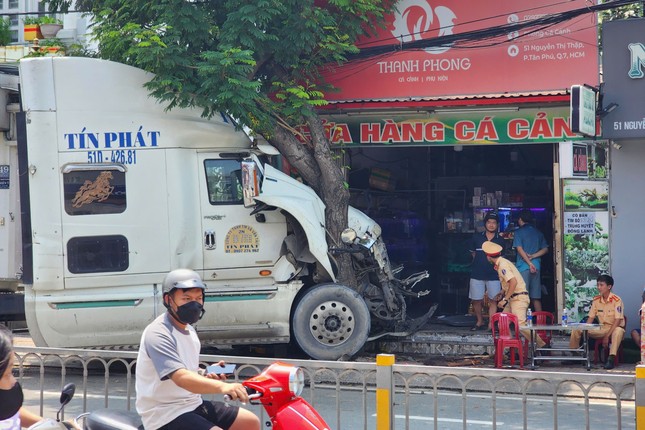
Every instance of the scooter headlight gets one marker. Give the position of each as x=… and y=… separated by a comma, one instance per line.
x=296, y=381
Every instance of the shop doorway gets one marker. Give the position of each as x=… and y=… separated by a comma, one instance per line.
x=431, y=200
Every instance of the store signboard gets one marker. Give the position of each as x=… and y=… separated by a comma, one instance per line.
x=574, y=159
x=580, y=165
x=583, y=110
x=549, y=57
x=586, y=242
x=624, y=78
x=482, y=127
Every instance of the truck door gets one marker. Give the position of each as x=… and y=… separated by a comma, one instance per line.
x=10, y=227
x=237, y=245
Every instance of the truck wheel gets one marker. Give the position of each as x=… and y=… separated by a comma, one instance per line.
x=331, y=321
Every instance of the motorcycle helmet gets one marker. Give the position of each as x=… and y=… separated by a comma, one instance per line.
x=181, y=278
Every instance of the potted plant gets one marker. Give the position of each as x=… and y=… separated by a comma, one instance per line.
x=31, y=29
x=51, y=46
x=49, y=26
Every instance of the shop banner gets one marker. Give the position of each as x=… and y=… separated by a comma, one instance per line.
x=624, y=79
x=579, y=223
x=552, y=57
x=492, y=127
x=586, y=242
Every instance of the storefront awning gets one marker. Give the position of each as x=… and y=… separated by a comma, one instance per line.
x=479, y=100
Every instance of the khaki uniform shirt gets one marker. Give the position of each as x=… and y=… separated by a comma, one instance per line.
x=507, y=271
x=608, y=310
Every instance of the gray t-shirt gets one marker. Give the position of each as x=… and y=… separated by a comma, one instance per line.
x=165, y=349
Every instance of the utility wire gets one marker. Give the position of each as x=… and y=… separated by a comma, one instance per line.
x=474, y=21
x=487, y=33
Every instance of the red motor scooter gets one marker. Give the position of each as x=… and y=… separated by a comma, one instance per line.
x=278, y=390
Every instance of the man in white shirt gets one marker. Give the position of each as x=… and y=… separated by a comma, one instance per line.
x=168, y=384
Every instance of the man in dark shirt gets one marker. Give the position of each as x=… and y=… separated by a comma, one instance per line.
x=483, y=278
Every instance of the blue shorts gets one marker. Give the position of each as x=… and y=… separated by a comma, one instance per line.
x=478, y=287
x=533, y=284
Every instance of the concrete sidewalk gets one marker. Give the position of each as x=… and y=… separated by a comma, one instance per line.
x=443, y=345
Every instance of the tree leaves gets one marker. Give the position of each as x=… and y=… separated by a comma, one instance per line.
x=240, y=56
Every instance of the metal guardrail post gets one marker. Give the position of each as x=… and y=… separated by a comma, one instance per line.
x=385, y=392
x=639, y=396
x=642, y=345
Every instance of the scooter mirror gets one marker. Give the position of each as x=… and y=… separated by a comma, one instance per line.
x=65, y=397
x=67, y=394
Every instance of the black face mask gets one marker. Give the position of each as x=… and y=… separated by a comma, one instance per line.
x=10, y=401
x=190, y=313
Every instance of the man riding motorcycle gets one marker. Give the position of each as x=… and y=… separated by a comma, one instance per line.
x=169, y=383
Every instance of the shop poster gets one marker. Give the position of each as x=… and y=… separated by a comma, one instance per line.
x=586, y=242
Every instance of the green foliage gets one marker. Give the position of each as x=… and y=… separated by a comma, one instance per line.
x=628, y=11
x=41, y=50
x=624, y=12
x=30, y=20
x=5, y=31
x=258, y=60
x=587, y=198
x=79, y=50
x=49, y=20
x=586, y=255
x=52, y=41
x=599, y=172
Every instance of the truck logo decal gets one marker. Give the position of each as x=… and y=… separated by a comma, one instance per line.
x=241, y=239
x=112, y=139
x=96, y=191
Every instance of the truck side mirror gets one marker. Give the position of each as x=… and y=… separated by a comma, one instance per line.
x=250, y=186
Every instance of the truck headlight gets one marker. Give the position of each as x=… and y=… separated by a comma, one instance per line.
x=348, y=236
x=376, y=230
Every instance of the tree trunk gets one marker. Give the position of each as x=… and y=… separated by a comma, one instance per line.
x=314, y=161
x=334, y=194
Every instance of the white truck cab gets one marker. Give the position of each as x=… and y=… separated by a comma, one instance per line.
x=107, y=192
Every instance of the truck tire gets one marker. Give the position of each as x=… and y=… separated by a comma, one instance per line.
x=331, y=321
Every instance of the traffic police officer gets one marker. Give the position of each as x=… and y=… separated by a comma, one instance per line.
x=608, y=308
x=514, y=296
